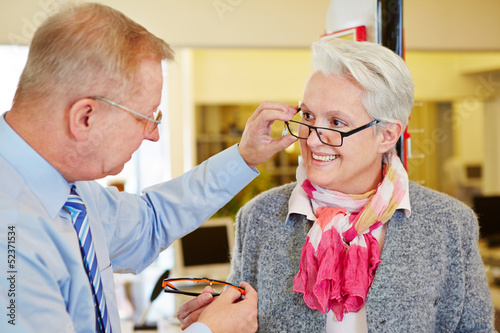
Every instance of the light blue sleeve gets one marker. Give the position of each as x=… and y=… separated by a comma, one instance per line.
x=137, y=228
x=197, y=328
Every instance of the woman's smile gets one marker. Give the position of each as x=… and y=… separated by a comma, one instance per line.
x=324, y=158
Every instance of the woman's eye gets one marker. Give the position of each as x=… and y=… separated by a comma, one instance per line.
x=338, y=123
x=307, y=116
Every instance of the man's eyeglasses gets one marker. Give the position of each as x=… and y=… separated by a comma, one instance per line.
x=327, y=136
x=191, y=286
x=151, y=124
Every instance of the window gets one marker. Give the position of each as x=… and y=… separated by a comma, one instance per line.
x=12, y=61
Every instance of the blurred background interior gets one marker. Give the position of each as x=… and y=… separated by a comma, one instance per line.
x=233, y=54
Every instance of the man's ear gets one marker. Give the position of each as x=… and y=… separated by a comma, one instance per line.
x=390, y=135
x=81, y=118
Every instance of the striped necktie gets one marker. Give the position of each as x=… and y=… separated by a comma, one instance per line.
x=76, y=208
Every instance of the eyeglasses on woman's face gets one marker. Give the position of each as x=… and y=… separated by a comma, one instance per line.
x=327, y=136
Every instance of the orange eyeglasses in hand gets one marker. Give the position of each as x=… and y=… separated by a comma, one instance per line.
x=184, y=285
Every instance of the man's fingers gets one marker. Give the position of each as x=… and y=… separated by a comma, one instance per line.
x=228, y=314
x=195, y=304
x=208, y=289
x=277, y=145
x=286, y=141
x=261, y=126
x=230, y=295
x=250, y=292
x=282, y=114
x=257, y=143
x=285, y=111
x=190, y=319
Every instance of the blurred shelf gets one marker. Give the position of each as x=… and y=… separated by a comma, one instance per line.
x=219, y=126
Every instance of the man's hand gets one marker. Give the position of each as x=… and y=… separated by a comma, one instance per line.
x=190, y=311
x=225, y=313
x=256, y=144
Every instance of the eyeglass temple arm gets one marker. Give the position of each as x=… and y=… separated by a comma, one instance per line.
x=125, y=108
x=356, y=130
x=188, y=293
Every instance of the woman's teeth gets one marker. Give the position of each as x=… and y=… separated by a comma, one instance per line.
x=324, y=158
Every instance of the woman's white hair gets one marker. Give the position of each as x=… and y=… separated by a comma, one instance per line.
x=381, y=73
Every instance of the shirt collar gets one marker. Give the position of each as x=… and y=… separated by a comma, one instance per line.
x=46, y=183
x=300, y=203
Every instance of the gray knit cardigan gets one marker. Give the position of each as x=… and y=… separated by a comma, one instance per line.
x=431, y=278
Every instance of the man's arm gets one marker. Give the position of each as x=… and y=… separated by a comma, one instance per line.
x=170, y=210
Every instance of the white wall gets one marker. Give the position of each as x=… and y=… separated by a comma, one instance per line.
x=429, y=24
x=452, y=24
x=193, y=23
x=250, y=76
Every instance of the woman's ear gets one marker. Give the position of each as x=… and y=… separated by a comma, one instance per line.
x=390, y=135
x=81, y=118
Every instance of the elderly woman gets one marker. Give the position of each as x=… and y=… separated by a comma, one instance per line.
x=353, y=245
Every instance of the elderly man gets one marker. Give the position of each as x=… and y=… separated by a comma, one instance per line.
x=87, y=98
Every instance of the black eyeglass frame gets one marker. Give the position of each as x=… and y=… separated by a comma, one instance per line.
x=173, y=290
x=342, y=134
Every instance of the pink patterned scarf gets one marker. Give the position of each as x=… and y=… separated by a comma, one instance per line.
x=340, y=256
